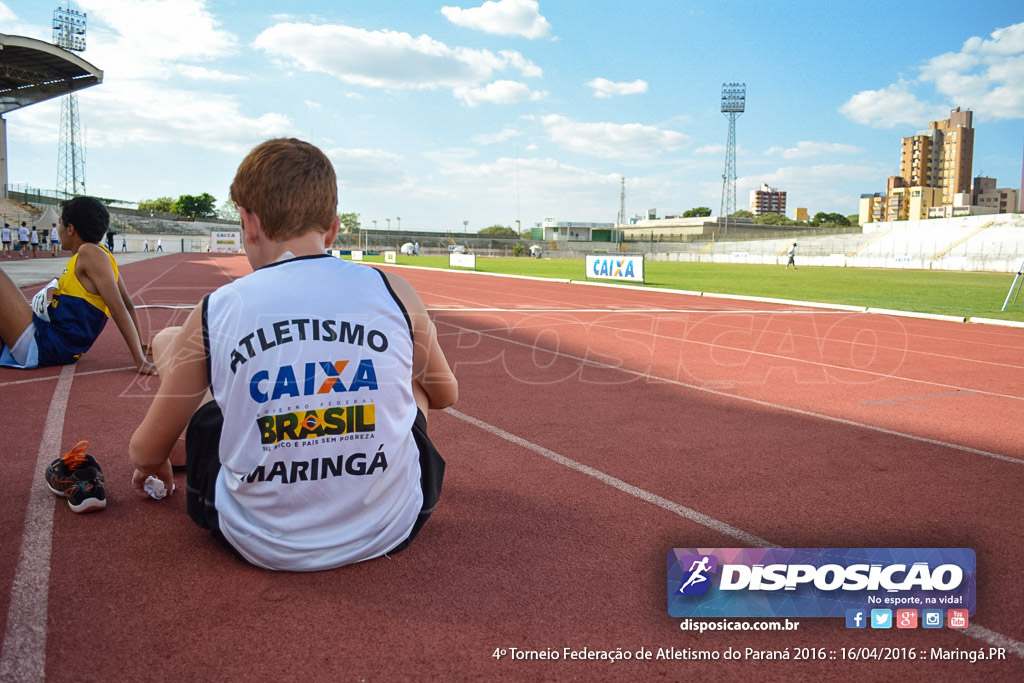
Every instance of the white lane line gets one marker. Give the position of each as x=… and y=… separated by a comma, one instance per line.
x=767, y=404
x=24, y=649
x=682, y=511
x=708, y=311
x=981, y=633
x=51, y=378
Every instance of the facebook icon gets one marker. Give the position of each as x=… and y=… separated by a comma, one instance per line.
x=856, y=618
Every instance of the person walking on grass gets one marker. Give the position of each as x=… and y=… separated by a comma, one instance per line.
x=791, y=252
x=313, y=453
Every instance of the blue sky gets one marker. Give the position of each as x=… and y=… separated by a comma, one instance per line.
x=493, y=112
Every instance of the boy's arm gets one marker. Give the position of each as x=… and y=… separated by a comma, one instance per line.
x=430, y=368
x=95, y=266
x=183, y=384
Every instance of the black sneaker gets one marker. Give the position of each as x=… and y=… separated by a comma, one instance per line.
x=78, y=477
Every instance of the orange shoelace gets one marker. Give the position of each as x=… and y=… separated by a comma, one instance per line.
x=76, y=456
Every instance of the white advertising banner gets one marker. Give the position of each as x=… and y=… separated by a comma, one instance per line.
x=357, y=254
x=390, y=257
x=462, y=260
x=226, y=242
x=629, y=268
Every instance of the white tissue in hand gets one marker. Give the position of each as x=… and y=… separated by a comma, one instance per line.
x=155, y=488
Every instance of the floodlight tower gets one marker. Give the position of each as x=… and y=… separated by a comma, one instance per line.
x=734, y=98
x=622, y=201
x=69, y=34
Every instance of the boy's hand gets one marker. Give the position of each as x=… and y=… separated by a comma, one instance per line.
x=164, y=474
x=146, y=367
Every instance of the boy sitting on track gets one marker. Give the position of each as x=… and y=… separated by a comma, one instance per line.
x=89, y=291
x=313, y=453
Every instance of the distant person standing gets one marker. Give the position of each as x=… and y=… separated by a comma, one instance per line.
x=34, y=240
x=23, y=239
x=792, y=257
x=5, y=239
x=124, y=243
x=110, y=240
x=145, y=245
x=54, y=240
x=160, y=245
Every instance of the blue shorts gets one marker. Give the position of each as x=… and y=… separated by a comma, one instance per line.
x=24, y=354
x=40, y=345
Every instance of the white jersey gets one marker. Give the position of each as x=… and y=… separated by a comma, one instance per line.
x=5, y=234
x=310, y=362
x=23, y=234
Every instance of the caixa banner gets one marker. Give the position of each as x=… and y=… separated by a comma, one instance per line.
x=817, y=582
x=629, y=268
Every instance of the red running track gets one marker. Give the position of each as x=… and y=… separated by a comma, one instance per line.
x=593, y=425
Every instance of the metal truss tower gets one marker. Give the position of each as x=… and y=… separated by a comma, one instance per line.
x=69, y=34
x=734, y=98
x=622, y=202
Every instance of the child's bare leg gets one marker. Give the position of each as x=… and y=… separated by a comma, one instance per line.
x=15, y=313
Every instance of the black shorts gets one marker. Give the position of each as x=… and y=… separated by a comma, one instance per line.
x=202, y=463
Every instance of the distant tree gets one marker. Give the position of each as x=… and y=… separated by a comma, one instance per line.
x=697, y=212
x=228, y=211
x=822, y=218
x=854, y=219
x=771, y=219
x=498, y=230
x=163, y=204
x=742, y=213
x=349, y=222
x=189, y=206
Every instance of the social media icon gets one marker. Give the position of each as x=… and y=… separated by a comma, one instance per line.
x=906, y=618
x=931, y=618
x=881, y=618
x=957, y=618
x=856, y=618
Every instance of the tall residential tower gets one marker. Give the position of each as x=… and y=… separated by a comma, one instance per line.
x=942, y=156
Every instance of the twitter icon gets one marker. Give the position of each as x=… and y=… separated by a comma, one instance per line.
x=881, y=618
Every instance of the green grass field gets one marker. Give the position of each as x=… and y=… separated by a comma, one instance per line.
x=951, y=293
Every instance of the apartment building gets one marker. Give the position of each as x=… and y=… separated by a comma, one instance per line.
x=941, y=156
x=767, y=200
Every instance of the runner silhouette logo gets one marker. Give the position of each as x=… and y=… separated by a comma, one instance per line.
x=696, y=580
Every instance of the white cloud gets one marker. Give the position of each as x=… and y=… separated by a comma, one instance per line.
x=890, y=107
x=498, y=92
x=144, y=46
x=504, y=135
x=503, y=17
x=604, y=88
x=822, y=187
x=806, y=149
x=385, y=59
x=612, y=140
x=201, y=73
x=369, y=169
x=710, y=149
x=986, y=76
x=155, y=31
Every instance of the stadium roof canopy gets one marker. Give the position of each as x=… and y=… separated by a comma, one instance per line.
x=33, y=70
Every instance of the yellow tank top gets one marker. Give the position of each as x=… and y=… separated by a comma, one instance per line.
x=70, y=284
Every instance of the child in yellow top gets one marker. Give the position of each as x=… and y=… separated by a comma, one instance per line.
x=89, y=291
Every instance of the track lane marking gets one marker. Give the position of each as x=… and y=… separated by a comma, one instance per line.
x=487, y=333
x=24, y=647
x=976, y=631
